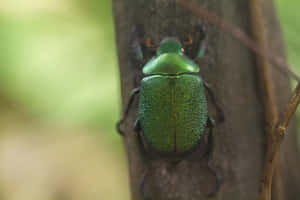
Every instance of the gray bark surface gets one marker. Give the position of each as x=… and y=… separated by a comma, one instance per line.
x=229, y=67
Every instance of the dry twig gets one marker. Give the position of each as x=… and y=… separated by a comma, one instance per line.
x=277, y=137
x=270, y=107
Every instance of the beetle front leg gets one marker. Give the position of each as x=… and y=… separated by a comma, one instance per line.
x=136, y=49
x=202, y=46
x=133, y=93
x=200, y=50
x=220, y=112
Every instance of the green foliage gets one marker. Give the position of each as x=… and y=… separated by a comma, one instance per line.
x=61, y=67
x=288, y=15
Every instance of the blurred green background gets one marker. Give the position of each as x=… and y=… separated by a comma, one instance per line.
x=60, y=99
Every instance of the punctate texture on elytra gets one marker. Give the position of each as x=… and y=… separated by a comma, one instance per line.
x=172, y=112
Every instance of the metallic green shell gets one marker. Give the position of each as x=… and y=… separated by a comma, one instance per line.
x=172, y=112
x=170, y=63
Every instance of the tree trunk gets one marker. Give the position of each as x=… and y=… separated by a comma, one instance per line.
x=229, y=67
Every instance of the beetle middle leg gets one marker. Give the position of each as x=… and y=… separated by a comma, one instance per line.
x=138, y=131
x=134, y=92
x=220, y=112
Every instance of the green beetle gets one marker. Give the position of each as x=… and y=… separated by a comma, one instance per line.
x=172, y=104
x=172, y=111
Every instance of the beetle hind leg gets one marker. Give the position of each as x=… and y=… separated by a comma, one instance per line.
x=138, y=131
x=142, y=185
x=211, y=126
x=217, y=183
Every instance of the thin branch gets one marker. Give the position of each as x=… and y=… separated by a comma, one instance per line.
x=269, y=100
x=277, y=139
x=264, y=69
x=290, y=109
x=238, y=34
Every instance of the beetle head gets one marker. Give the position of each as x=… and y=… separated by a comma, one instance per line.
x=170, y=45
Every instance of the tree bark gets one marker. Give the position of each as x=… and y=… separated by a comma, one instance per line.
x=230, y=69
